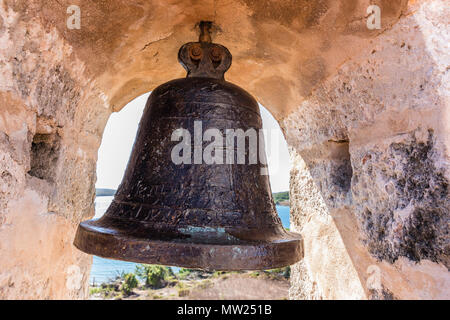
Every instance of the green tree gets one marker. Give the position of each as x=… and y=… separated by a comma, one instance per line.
x=154, y=276
x=130, y=282
x=184, y=273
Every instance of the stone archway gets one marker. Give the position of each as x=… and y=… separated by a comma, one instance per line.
x=365, y=113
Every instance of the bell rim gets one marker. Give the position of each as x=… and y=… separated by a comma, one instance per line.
x=105, y=242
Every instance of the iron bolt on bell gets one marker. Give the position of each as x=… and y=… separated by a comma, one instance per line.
x=205, y=216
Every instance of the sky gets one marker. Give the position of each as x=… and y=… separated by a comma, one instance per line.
x=120, y=133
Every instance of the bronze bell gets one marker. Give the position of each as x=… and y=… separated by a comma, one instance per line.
x=193, y=214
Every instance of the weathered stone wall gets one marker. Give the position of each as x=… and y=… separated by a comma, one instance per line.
x=370, y=182
x=365, y=113
x=51, y=119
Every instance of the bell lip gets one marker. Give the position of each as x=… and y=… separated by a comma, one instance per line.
x=243, y=255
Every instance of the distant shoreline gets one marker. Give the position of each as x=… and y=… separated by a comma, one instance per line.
x=102, y=192
x=280, y=198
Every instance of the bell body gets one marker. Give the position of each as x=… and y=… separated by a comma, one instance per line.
x=215, y=216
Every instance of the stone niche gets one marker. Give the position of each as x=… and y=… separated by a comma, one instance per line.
x=365, y=113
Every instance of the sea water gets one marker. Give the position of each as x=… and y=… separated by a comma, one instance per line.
x=104, y=270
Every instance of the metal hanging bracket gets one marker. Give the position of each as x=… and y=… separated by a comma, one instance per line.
x=204, y=58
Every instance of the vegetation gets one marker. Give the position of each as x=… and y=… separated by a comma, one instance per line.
x=154, y=276
x=192, y=274
x=183, y=292
x=107, y=290
x=281, y=197
x=95, y=290
x=130, y=282
x=273, y=274
x=160, y=282
x=205, y=284
x=184, y=273
x=284, y=272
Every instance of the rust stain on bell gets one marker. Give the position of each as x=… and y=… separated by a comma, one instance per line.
x=218, y=216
